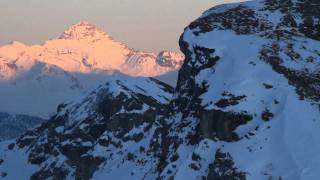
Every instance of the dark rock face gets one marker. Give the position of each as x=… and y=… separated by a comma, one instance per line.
x=223, y=168
x=219, y=124
x=267, y=115
x=229, y=100
x=4, y=174
x=187, y=88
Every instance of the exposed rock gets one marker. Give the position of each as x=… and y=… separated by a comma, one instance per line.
x=223, y=168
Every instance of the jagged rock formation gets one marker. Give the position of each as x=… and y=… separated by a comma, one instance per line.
x=246, y=106
x=14, y=125
x=63, y=68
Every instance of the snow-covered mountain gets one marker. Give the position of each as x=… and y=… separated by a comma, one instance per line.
x=59, y=69
x=121, y=113
x=14, y=125
x=246, y=106
x=84, y=48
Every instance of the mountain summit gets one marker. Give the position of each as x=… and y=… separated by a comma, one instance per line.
x=83, y=30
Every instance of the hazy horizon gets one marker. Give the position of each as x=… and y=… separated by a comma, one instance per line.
x=141, y=24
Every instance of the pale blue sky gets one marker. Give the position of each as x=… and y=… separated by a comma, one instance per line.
x=150, y=25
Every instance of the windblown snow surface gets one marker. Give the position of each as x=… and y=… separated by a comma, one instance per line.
x=246, y=106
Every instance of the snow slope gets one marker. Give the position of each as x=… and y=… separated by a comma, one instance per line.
x=246, y=106
x=60, y=69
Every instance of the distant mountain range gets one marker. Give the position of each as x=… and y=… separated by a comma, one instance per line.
x=12, y=126
x=35, y=79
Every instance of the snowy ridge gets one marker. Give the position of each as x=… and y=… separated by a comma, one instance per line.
x=246, y=106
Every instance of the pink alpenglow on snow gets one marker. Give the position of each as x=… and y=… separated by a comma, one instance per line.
x=84, y=48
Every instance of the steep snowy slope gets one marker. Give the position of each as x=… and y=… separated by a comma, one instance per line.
x=246, y=106
x=106, y=127
x=250, y=83
x=60, y=69
x=14, y=125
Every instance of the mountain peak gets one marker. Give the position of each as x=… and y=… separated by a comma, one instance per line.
x=17, y=43
x=83, y=30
